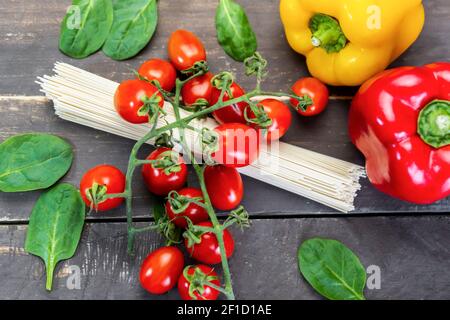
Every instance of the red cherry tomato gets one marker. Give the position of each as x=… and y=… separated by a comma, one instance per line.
x=161, y=269
x=281, y=118
x=225, y=187
x=195, y=274
x=104, y=176
x=193, y=211
x=316, y=90
x=208, y=250
x=233, y=113
x=185, y=49
x=129, y=99
x=238, y=145
x=160, y=182
x=199, y=88
x=161, y=71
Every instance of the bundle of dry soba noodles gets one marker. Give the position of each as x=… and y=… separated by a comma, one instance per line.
x=87, y=99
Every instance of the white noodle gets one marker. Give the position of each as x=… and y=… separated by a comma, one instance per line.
x=87, y=99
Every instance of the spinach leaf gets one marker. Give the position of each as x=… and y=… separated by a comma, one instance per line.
x=134, y=25
x=33, y=161
x=332, y=269
x=234, y=31
x=55, y=226
x=85, y=27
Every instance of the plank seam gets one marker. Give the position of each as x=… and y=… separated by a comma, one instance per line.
x=266, y=217
x=44, y=99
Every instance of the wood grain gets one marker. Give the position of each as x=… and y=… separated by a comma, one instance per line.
x=30, y=31
x=412, y=255
x=412, y=252
x=326, y=134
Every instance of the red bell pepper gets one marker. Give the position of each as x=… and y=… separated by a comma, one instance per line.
x=400, y=121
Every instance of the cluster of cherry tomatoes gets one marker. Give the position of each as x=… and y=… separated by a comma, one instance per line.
x=166, y=172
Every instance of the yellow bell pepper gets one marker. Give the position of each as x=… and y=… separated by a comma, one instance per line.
x=346, y=42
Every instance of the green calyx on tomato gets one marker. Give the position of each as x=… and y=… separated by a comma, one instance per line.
x=151, y=107
x=240, y=216
x=186, y=207
x=164, y=172
x=198, y=280
x=256, y=65
x=199, y=67
x=304, y=102
x=96, y=194
x=137, y=96
x=168, y=161
x=159, y=72
x=434, y=123
x=196, y=93
x=164, y=140
x=192, y=235
x=179, y=203
x=312, y=96
x=97, y=183
x=205, y=248
x=210, y=144
x=186, y=52
x=223, y=81
x=258, y=116
x=279, y=115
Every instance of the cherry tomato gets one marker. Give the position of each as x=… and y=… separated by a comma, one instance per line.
x=208, y=250
x=316, y=90
x=233, y=113
x=160, y=182
x=185, y=49
x=105, y=176
x=197, y=89
x=281, y=118
x=129, y=99
x=195, y=276
x=225, y=187
x=161, y=71
x=193, y=211
x=161, y=269
x=238, y=145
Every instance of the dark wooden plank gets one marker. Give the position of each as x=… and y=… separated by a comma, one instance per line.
x=412, y=254
x=30, y=31
x=326, y=134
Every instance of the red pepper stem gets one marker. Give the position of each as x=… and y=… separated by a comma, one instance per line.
x=433, y=124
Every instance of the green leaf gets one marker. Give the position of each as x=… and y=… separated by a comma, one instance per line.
x=332, y=269
x=85, y=27
x=234, y=31
x=134, y=25
x=33, y=161
x=55, y=226
x=159, y=210
x=166, y=228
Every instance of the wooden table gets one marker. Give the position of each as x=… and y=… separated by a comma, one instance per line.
x=409, y=243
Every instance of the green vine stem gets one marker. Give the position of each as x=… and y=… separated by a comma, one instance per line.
x=255, y=67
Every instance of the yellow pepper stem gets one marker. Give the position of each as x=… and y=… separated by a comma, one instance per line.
x=327, y=33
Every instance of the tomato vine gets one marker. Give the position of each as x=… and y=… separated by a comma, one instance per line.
x=255, y=66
